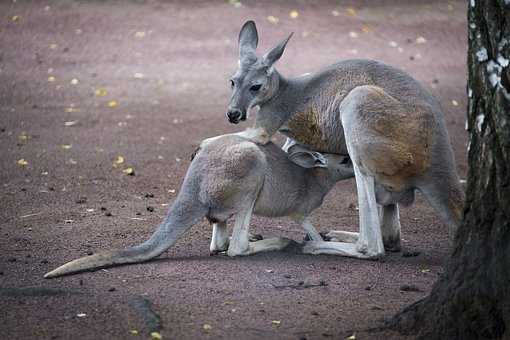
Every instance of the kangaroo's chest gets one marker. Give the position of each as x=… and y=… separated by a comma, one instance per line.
x=317, y=126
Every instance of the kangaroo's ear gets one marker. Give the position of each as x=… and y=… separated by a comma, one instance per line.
x=248, y=39
x=273, y=55
x=308, y=159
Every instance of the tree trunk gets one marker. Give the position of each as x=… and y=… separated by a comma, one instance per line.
x=472, y=299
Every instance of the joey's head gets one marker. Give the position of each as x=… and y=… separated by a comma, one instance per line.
x=328, y=167
x=255, y=81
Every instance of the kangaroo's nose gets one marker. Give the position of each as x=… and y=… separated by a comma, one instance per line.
x=234, y=115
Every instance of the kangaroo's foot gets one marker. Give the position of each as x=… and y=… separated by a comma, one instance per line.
x=269, y=244
x=336, y=248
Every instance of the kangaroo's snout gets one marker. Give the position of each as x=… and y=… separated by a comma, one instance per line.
x=235, y=116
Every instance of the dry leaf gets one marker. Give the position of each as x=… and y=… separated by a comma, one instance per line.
x=276, y=323
x=366, y=29
x=53, y=46
x=351, y=11
x=119, y=160
x=16, y=18
x=134, y=332
x=156, y=336
x=66, y=146
x=294, y=14
x=74, y=81
x=272, y=19
x=421, y=40
x=140, y=34
x=23, y=136
x=51, y=79
x=353, y=35
x=352, y=337
x=393, y=44
x=100, y=92
x=72, y=161
x=22, y=162
x=207, y=327
x=81, y=315
x=138, y=75
x=335, y=13
x=235, y=3
x=70, y=123
x=455, y=103
x=129, y=171
x=113, y=103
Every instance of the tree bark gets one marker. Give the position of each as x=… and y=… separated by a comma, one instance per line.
x=471, y=300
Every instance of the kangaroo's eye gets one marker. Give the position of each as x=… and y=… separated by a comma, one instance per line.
x=255, y=88
x=232, y=84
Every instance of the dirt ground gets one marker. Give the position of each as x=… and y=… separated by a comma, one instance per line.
x=82, y=83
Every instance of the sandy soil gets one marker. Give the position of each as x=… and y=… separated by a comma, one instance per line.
x=151, y=83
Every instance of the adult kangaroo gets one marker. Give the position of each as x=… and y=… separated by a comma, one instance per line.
x=390, y=126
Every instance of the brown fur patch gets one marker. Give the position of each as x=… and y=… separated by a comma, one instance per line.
x=304, y=126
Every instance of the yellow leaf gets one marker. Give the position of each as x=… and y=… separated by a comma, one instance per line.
x=351, y=11
x=366, y=29
x=352, y=337
x=207, y=327
x=421, y=40
x=100, y=92
x=66, y=146
x=23, y=136
x=294, y=14
x=272, y=19
x=16, y=18
x=134, y=332
x=119, y=160
x=51, y=79
x=140, y=34
x=129, y=171
x=113, y=103
x=156, y=336
x=22, y=162
x=276, y=323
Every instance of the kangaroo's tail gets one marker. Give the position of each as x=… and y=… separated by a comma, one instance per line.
x=183, y=214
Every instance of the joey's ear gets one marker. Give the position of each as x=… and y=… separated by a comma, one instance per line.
x=273, y=55
x=248, y=39
x=308, y=159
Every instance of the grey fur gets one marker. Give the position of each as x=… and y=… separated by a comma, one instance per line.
x=228, y=175
x=392, y=127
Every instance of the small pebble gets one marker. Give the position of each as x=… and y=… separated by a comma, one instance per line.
x=150, y=209
x=109, y=214
x=90, y=252
x=287, y=276
x=112, y=289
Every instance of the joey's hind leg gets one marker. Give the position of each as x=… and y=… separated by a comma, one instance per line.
x=390, y=227
x=219, y=239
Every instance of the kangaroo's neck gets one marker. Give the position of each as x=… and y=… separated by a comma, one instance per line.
x=281, y=106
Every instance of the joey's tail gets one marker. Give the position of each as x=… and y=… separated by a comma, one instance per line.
x=183, y=214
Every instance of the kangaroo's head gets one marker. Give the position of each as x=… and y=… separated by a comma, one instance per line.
x=255, y=81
